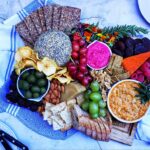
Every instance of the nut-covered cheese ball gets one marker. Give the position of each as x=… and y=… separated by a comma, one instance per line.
x=55, y=45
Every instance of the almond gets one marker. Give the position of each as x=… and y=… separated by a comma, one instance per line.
x=52, y=86
x=47, y=97
x=62, y=89
x=55, y=92
x=59, y=87
x=52, y=96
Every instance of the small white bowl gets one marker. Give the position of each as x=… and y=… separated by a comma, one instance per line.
x=32, y=99
x=109, y=51
x=109, y=108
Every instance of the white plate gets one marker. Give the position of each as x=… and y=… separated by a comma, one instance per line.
x=8, y=130
x=144, y=6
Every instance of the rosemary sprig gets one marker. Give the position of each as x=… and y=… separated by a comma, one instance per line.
x=144, y=93
x=124, y=30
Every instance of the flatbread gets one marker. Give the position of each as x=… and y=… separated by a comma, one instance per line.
x=31, y=27
x=36, y=20
x=48, y=12
x=70, y=18
x=56, y=17
x=42, y=19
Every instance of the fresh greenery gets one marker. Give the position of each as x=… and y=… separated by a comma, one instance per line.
x=124, y=30
x=144, y=93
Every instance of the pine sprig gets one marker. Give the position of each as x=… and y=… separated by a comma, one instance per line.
x=124, y=30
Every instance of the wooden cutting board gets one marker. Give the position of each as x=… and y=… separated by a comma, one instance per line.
x=123, y=132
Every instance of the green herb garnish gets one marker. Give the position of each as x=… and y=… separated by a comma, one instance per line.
x=144, y=93
x=124, y=30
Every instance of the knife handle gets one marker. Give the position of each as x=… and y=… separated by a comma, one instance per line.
x=13, y=140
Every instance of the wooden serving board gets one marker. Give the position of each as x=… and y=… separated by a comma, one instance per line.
x=123, y=132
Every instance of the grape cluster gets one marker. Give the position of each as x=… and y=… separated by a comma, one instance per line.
x=78, y=67
x=14, y=97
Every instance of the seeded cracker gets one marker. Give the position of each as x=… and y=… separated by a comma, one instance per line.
x=70, y=18
x=56, y=17
x=55, y=45
x=36, y=20
x=24, y=32
x=48, y=11
x=42, y=19
x=30, y=25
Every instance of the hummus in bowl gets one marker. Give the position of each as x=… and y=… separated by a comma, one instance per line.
x=123, y=103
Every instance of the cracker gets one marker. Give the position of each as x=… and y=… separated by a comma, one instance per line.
x=36, y=20
x=23, y=31
x=42, y=19
x=56, y=17
x=48, y=12
x=31, y=27
x=70, y=18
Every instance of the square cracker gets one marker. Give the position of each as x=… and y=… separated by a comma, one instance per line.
x=70, y=18
x=36, y=20
x=31, y=27
x=48, y=12
x=23, y=31
x=42, y=18
x=56, y=17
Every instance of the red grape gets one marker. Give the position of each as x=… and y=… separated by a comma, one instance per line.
x=85, y=81
x=83, y=50
x=82, y=68
x=83, y=60
x=81, y=42
x=75, y=46
x=80, y=76
x=89, y=78
x=72, y=68
x=74, y=55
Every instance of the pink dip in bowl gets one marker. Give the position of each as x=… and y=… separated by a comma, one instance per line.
x=98, y=55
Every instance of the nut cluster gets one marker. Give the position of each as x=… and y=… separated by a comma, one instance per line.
x=54, y=94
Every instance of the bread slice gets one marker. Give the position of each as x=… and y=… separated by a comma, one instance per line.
x=106, y=128
x=98, y=131
x=94, y=132
x=58, y=108
x=103, y=130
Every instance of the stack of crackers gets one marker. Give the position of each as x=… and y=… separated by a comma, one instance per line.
x=51, y=17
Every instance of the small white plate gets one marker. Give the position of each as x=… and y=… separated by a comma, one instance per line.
x=8, y=130
x=144, y=6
